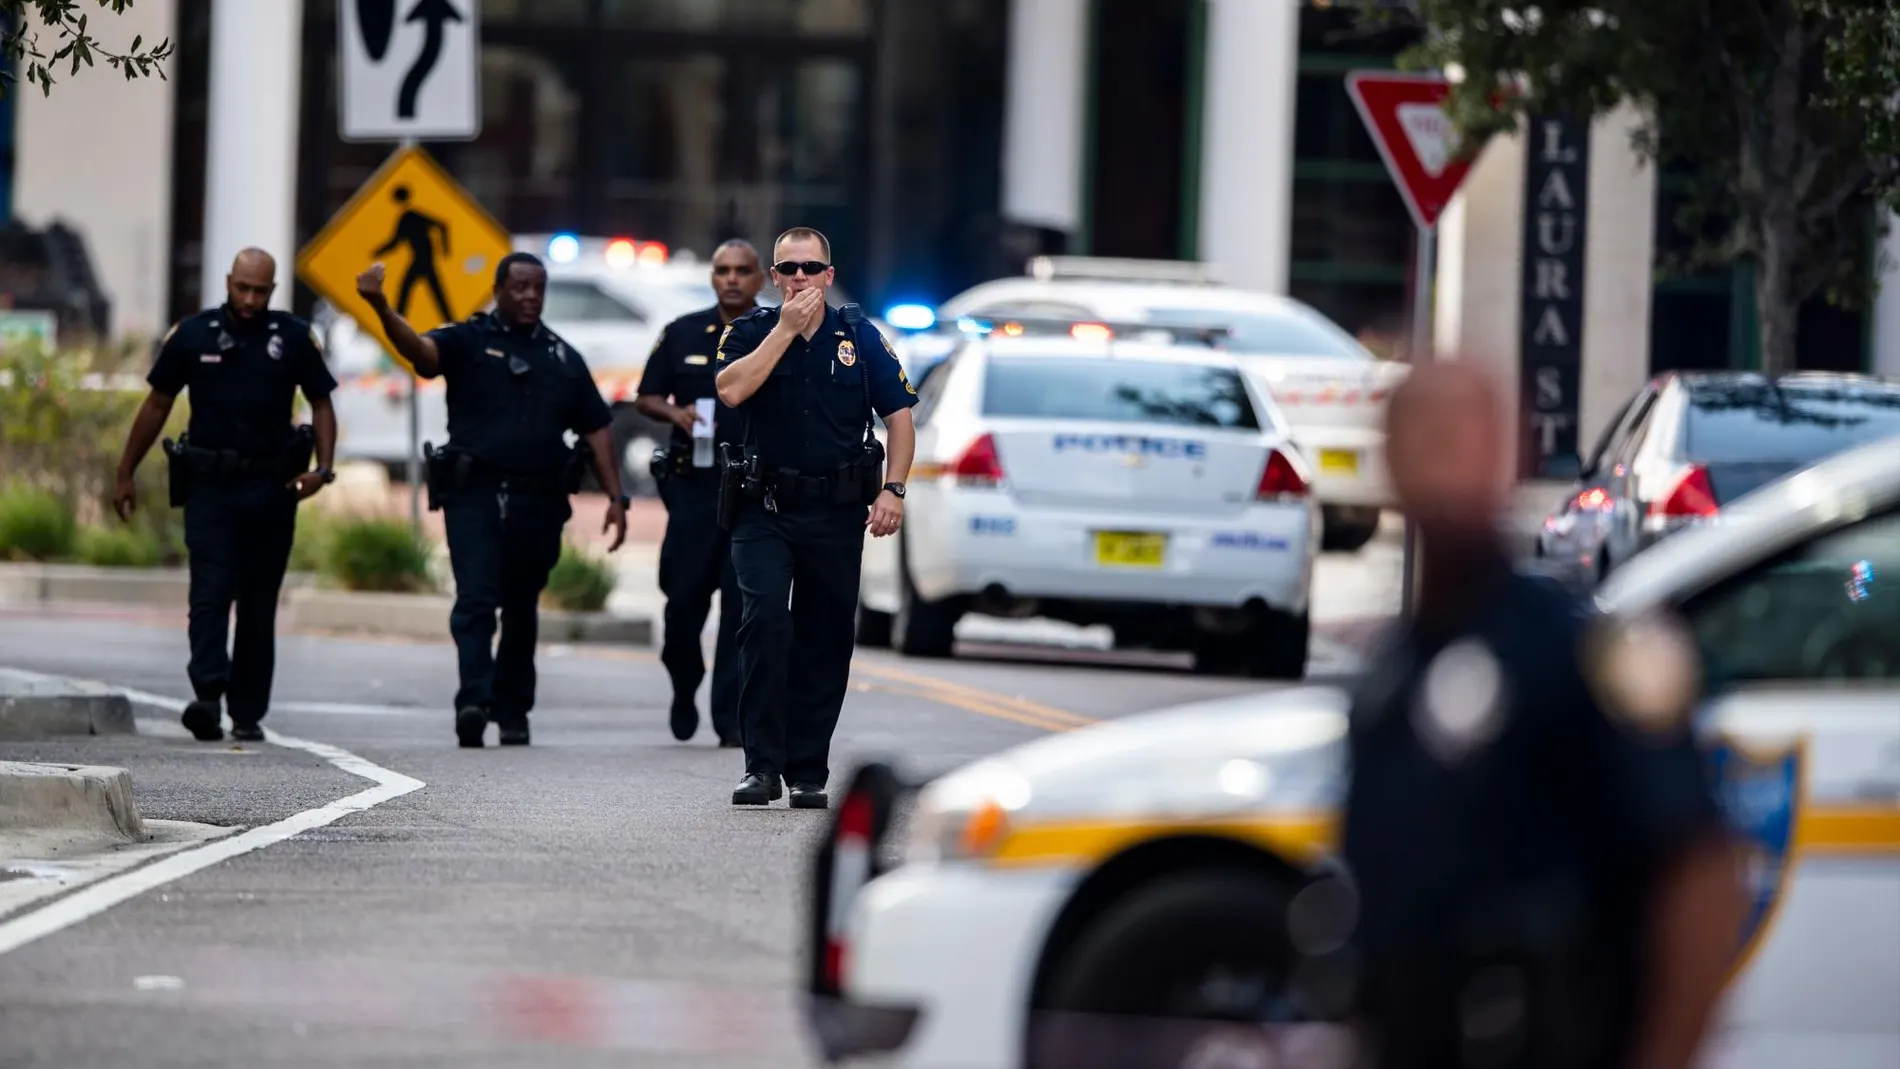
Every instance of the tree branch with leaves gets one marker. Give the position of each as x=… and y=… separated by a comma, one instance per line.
x=73, y=44
x=1785, y=115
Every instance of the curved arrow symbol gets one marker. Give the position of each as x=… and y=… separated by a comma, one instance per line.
x=376, y=21
x=433, y=14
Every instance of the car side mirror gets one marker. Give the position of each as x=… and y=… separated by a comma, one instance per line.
x=1563, y=467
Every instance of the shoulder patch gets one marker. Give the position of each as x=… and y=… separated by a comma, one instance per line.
x=1645, y=672
x=169, y=333
x=316, y=342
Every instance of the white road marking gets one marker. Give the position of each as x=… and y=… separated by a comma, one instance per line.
x=103, y=895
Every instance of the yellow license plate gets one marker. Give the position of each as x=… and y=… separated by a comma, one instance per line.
x=1343, y=461
x=1123, y=549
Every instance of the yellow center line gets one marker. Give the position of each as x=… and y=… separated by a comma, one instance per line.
x=981, y=708
x=977, y=694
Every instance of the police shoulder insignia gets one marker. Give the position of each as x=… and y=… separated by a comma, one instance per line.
x=316, y=342
x=1646, y=671
x=904, y=378
x=169, y=333
x=888, y=347
x=657, y=342
x=847, y=353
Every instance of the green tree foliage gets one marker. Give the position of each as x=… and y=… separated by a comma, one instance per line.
x=1783, y=111
x=73, y=44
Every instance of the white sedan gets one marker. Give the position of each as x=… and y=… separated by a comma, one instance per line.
x=1148, y=486
x=1128, y=867
x=1330, y=387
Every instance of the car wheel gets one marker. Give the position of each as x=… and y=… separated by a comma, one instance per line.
x=1199, y=956
x=1274, y=647
x=1342, y=533
x=921, y=628
x=874, y=628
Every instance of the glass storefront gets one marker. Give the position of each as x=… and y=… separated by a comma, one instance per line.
x=691, y=121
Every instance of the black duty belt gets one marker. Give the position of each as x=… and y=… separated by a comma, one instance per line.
x=790, y=487
x=488, y=477
x=229, y=463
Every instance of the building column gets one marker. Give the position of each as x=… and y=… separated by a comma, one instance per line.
x=1886, y=310
x=251, y=150
x=1044, y=113
x=1619, y=268
x=1252, y=79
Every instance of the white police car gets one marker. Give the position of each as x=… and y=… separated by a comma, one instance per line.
x=1146, y=485
x=1331, y=389
x=1127, y=867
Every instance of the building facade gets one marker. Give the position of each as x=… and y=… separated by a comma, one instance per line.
x=937, y=143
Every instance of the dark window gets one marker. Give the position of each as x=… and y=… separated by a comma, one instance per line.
x=1823, y=610
x=1140, y=128
x=1749, y=434
x=1292, y=333
x=580, y=302
x=1119, y=391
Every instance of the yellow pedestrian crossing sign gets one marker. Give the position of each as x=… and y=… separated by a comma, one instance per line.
x=438, y=248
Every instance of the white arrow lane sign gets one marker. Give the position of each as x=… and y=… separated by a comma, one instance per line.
x=410, y=69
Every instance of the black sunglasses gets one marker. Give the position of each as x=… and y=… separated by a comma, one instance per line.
x=792, y=267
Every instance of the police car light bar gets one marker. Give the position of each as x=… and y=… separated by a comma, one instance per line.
x=618, y=253
x=1112, y=269
x=1092, y=330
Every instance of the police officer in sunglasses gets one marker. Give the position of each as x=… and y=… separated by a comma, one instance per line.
x=808, y=378
x=514, y=389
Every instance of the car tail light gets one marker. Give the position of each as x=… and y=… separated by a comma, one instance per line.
x=979, y=465
x=1090, y=332
x=1692, y=497
x=1280, y=479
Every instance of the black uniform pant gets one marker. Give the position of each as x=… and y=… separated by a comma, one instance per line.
x=695, y=560
x=502, y=545
x=798, y=576
x=238, y=533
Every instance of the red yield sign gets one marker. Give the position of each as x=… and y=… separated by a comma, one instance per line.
x=1405, y=115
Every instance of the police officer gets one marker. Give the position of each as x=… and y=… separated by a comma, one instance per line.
x=696, y=553
x=514, y=389
x=1542, y=871
x=239, y=472
x=807, y=377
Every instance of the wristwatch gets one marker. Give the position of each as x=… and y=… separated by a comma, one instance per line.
x=326, y=475
x=625, y=501
x=895, y=488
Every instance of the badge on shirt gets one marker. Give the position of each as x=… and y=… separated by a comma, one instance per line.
x=275, y=347
x=847, y=353
x=226, y=343
x=710, y=327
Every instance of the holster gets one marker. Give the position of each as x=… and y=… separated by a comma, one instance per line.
x=579, y=459
x=444, y=471
x=733, y=464
x=302, y=452
x=177, y=472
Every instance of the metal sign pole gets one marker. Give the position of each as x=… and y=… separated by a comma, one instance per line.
x=1420, y=354
x=414, y=463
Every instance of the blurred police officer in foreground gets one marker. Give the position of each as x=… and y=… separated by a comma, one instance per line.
x=239, y=471
x=807, y=377
x=514, y=389
x=696, y=553
x=1544, y=876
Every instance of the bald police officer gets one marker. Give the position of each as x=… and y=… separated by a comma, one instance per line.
x=808, y=379
x=1544, y=876
x=515, y=388
x=240, y=470
x=696, y=553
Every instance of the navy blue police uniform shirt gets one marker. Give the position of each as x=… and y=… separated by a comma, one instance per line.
x=514, y=392
x=1489, y=776
x=810, y=416
x=683, y=365
x=243, y=377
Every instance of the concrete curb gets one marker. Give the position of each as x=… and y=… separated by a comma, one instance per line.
x=82, y=801
x=426, y=616
x=163, y=588
x=33, y=706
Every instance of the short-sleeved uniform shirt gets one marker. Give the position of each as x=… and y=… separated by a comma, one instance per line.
x=684, y=366
x=243, y=376
x=810, y=415
x=1492, y=796
x=515, y=391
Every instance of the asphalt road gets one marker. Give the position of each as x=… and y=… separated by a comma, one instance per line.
x=591, y=900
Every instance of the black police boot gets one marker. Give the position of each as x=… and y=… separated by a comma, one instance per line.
x=471, y=723
x=685, y=718
x=758, y=788
x=808, y=796
x=247, y=732
x=729, y=742
x=514, y=732
x=203, y=720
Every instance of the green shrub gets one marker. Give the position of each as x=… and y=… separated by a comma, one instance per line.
x=375, y=554
x=63, y=420
x=580, y=582
x=308, y=547
x=119, y=546
x=35, y=524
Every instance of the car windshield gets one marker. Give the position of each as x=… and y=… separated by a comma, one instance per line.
x=1753, y=421
x=1117, y=391
x=1290, y=332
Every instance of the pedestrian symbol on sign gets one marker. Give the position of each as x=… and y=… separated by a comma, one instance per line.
x=418, y=232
